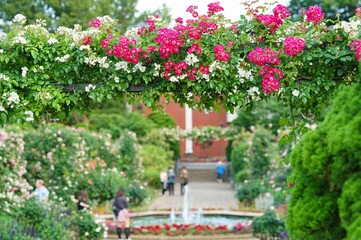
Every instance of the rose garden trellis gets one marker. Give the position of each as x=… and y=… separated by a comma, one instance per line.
x=204, y=62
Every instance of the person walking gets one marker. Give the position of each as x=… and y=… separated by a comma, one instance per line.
x=163, y=180
x=41, y=193
x=120, y=209
x=83, y=201
x=183, y=178
x=220, y=172
x=171, y=180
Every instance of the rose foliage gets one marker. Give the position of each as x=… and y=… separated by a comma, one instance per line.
x=205, y=61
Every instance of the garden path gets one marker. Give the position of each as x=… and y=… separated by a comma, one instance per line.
x=206, y=195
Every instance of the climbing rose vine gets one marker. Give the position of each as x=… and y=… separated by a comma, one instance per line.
x=205, y=61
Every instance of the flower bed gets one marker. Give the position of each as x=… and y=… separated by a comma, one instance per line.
x=185, y=229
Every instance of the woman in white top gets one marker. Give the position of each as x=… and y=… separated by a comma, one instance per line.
x=163, y=180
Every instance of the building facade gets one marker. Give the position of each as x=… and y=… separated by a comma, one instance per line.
x=187, y=118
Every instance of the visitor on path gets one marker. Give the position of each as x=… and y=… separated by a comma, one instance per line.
x=220, y=172
x=121, y=214
x=164, y=180
x=171, y=180
x=41, y=193
x=83, y=201
x=183, y=178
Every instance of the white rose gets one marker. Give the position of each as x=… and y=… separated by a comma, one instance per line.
x=19, y=19
x=295, y=93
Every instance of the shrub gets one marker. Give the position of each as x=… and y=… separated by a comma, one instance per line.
x=43, y=222
x=249, y=191
x=102, y=185
x=115, y=124
x=259, y=158
x=268, y=225
x=239, y=159
x=11, y=229
x=164, y=120
x=86, y=227
x=326, y=174
x=154, y=159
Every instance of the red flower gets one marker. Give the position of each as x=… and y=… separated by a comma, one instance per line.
x=293, y=46
x=270, y=84
x=358, y=12
x=356, y=45
x=214, y=7
x=87, y=40
x=97, y=23
x=281, y=11
x=314, y=14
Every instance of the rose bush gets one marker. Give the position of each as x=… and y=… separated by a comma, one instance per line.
x=204, y=61
x=68, y=160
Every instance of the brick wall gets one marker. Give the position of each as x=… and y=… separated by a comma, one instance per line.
x=218, y=148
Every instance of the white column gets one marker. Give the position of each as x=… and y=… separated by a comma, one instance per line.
x=189, y=126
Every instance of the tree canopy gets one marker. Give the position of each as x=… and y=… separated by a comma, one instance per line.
x=345, y=9
x=205, y=62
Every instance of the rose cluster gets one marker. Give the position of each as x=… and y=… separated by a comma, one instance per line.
x=125, y=51
x=106, y=41
x=214, y=8
x=281, y=12
x=151, y=26
x=221, y=55
x=170, y=41
x=270, y=84
x=265, y=58
x=260, y=57
x=96, y=23
x=195, y=48
x=314, y=14
x=293, y=46
x=356, y=45
x=273, y=22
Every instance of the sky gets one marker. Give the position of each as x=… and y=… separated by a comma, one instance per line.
x=232, y=8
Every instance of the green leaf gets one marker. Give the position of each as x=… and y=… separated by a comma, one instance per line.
x=304, y=100
x=34, y=54
x=129, y=77
x=340, y=72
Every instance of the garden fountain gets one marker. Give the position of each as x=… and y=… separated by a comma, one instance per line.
x=196, y=218
x=187, y=217
x=199, y=216
x=185, y=214
x=172, y=216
